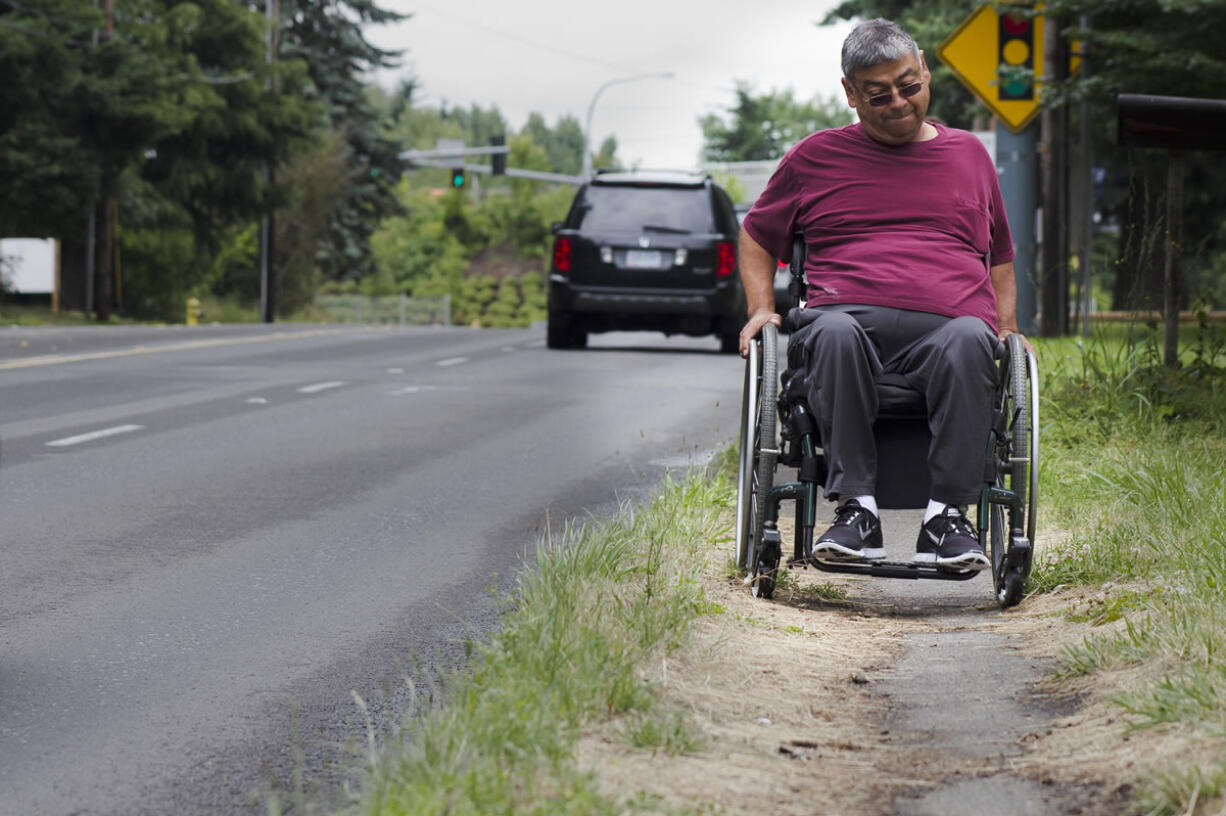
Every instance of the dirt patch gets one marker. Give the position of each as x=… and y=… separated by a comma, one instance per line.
x=790, y=699
x=780, y=693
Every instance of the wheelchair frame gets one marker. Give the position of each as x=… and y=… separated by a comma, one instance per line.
x=771, y=433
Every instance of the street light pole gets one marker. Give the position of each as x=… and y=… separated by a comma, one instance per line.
x=587, y=130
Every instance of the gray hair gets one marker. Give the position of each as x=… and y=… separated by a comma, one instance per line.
x=873, y=42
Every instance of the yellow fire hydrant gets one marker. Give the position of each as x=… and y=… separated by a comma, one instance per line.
x=193, y=310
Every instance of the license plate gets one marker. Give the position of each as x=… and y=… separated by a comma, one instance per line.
x=643, y=259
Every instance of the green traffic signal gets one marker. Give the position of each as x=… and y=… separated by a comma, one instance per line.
x=457, y=178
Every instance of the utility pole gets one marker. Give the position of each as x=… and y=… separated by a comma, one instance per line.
x=106, y=213
x=272, y=13
x=1054, y=278
x=1016, y=160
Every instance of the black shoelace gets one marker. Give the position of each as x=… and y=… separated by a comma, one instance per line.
x=848, y=514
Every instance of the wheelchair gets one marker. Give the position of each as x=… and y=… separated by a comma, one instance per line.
x=780, y=430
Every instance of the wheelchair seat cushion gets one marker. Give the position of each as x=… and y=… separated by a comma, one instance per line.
x=895, y=398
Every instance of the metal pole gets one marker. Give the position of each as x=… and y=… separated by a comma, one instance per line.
x=1017, y=165
x=587, y=129
x=1176, y=168
x=1087, y=168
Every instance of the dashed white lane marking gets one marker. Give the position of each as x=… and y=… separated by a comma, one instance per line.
x=508, y=349
x=417, y=389
x=257, y=401
x=450, y=361
x=395, y=371
x=92, y=435
x=323, y=386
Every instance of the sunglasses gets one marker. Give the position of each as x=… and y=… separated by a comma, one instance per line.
x=906, y=92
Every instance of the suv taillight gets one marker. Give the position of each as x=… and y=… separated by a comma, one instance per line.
x=725, y=259
x=561, y=253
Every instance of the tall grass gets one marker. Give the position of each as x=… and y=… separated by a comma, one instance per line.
x=1135, y=468
x=594, y=606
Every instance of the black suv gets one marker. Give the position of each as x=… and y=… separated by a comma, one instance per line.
x=646, y=251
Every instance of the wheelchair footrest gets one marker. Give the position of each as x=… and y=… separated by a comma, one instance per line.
x=889, y=569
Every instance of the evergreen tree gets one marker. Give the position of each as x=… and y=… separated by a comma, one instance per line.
x=46, y=171
x=327, y=36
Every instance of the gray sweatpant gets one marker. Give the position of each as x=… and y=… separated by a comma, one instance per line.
x=951, y=361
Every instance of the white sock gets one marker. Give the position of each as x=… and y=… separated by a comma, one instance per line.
x=869, y=503
x=935, y=508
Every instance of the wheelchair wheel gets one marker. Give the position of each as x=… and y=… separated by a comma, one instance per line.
x=765, y=550
x=756, y=463
x=745, y=459
x=1010, y=529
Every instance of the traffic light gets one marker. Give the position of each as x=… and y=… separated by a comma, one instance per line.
x=498, y=161
x=457, y=178
x=1015, y=75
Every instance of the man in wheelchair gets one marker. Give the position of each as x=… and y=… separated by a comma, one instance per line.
x=909, y=273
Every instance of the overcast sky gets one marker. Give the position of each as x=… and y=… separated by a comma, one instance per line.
x=551, y=56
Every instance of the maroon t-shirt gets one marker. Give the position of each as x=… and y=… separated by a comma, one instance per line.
x=913, y=226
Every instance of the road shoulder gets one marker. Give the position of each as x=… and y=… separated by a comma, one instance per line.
x=812, y=704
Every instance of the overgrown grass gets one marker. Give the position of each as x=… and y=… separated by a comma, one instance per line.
x=24, y=314
x=1134, y=458
x=595, y=605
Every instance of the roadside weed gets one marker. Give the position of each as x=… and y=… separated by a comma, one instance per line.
x=1133, y=455
x=663, y=728
x=597, y=603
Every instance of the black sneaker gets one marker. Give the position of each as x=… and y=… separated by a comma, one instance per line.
x=854, y=536
x=949, y=540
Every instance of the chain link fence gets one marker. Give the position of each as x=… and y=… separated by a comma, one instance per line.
x=399, y=310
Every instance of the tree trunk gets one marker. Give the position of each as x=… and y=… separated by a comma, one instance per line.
x=105, y=249
x=1054, y=274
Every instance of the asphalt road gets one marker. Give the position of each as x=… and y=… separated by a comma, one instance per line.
x=212, y=538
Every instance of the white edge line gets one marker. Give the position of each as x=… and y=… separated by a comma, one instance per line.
x=58, y=359
x=323, y=386
x=92, y=435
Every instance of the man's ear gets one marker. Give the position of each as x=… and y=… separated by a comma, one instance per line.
x=924, y=72
x=851, y=94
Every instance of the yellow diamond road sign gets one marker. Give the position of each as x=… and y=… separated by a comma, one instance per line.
x=983, y=51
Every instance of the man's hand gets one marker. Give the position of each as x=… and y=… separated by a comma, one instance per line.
x=1004, y=333
x=756, y=321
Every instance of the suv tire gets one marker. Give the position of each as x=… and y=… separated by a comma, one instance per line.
x=730, y=342
x=561, y=332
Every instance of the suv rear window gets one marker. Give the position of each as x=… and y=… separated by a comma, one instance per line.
x=633, y=209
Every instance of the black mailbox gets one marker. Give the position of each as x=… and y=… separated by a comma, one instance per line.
x=1172, y=122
